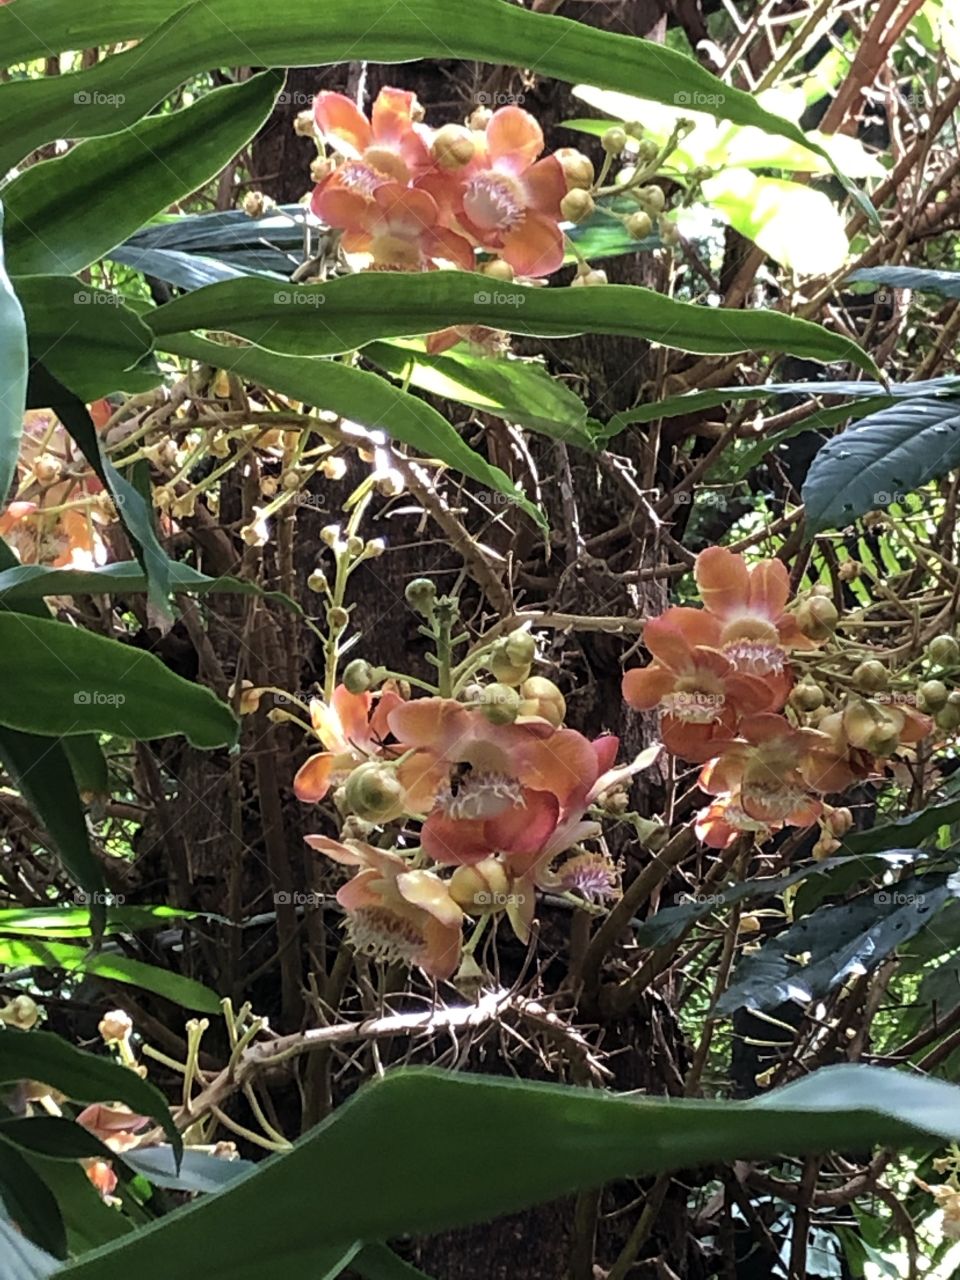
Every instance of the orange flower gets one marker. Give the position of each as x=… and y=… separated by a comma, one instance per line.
x=698, y=689
x=505, y=198
x=766, y=765
x=391, y=143
x=395, y=914
x=117, y=1127
x=748, y=605
x=352, y=730
x=725, y=819
x=487, y=788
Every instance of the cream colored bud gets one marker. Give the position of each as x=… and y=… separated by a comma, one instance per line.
x=22, y=1012
x=577, y=205
x=115, y=1026
x=498, y=269
x=577, y=168
x=499, y=703
x=614, y=141
x=542, y=698
x=639, y=226
x=333, y=468
x=453, y=146
x=303, y=125
x=590, y=277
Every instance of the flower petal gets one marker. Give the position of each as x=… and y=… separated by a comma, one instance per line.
x=644, y=687
x=352, y=711
x=455, y=841
x=424, y=889
x=723, y=580
x=312, y=780
x=514, y=139
x=545, y=186
x=524, y=830
x=535, y=246
x=769, y=588
x=342, y=124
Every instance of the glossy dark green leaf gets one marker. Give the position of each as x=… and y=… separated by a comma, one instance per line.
x=945, y=283
x=880, y=460
x=905, y=832
x=111, y=966
x=851, y=938
x=217, y=33
x=118, y=183
x=377, y=1262
x=360, y=397
x=53, y=1136
x=29, y=1201
x=376, y=1170
x=71, y=681
x=88, y=339
x=520, y=391
x=198, y=1171
x=346, y=313
x=40, y=769
x=13, y=374
x=89, y=765
x=30, y=582
x=83, y=1077
x=74, y=922
x=850, y=873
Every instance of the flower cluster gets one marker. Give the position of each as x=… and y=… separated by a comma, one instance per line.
x=771, y=746
x=409, y=197
x=504, y=796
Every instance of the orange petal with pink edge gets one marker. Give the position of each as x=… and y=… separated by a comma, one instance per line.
x=668, y=645
x=545, y=186
x=338, y=207
x=455, y=841
x=336, y=850
x=827, y=773
x=644, y=687
x=14, y=512
x=524, y=829
x=423, y=775
x=424, y=722
x=605, y=748
x=101, y=411
x=806, y=813
x=751, y=694
x=916, y=726
x=562, y=763
x=312, y=781
x=791, y=637
x=342, y=124
x=535, y=246
x=424, y=889
x=723, y=580
x=392, y=114
x=723, y=773
x=712, y=828
x=352, y=711
x=359, y=891
x=693, y=742
x=514, y=139
x=769, y=588
x=449, y=247
x=406, y=207
x=767, y=726
x=697, y=626
x=379, y=721
x=443, y=945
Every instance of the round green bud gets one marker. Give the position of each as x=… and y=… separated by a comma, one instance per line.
x=613, y=141
x=499, y=703
x=871, y=676
x=420, y=595
x=933, y=695
x=373, y=792
x=358, y=676
x=944, y=651
x=639, y=225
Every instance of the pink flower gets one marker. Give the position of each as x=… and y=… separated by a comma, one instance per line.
x=351, y=729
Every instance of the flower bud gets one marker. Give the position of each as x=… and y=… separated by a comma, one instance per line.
x=520, y=648
x=498, y=269
x=871, y=676
x=651, y=198
x=355, y=545
x=358, y=676
x=614, y=141
x=317, y=580
x=824, y=847
x=639, y=226
x=499, y=703
x=303, y=125
x=838, y=821
x=872, y=727
x=807, y=696
x=849, y=570
x=249, y=697
x=115, y=1026
x=333, y=468
x=330, y=535
x=373, y=792
x=256, y=204
x=948, y=718
x=480, y=888
x=420, y=595
x=647, y=151
x=337, y=618
x=817, y=617
x=47, y=468
x=479, y=118
x=22, y=1012
x=749, y=924
x=577, y=205
x=669, y=231
x=577, y=168
x=944, y=651
x=542, y=698
x=503, y=669
x=933, y=695
x=453, y=146
x=590, y=277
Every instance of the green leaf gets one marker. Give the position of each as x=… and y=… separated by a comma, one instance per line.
x=118, y=183
x=198, y=1171
x=31, y=582
x=40, y=769
x=54, y=1136
x=906, y=832
x=851, y=938
x=848, y=873
x=86, y=337
x=13, y=375
x=74, y=922
x=377, y=1262
x=520, y=391
x=71, y=681
x=89, y=764
x=113, y=967
x=343, y=314
x=30, y=1202
x=885, y=456
x=42, y=1056
x=360, y=397
x=384, y=1173
x=217, y=33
